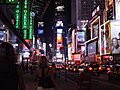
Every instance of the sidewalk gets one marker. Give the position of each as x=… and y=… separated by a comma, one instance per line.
x=61, y=84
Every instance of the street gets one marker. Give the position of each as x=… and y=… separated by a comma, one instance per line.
x=98, y=82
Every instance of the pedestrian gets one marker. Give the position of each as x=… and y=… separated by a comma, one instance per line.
x=11, y=75
x=54, y=69
x=46, y=76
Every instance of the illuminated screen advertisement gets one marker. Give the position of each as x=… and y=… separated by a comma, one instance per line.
x=73, y=41
x=59, y=38
x=59, y=31
x=76, y=57
x=115, y=36
x=80, y=37
x=40, y=28
x=102, y=41
x=95, y=27
x=69, y=52
x=107, y=38
x=2, y=35
x=92, y=48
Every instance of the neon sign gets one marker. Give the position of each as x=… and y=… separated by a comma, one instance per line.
x=17, y=15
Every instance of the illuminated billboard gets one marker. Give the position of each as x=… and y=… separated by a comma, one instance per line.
x=92, y=48
x=115, y=36
x=59, y=38
x=40, y=31
x=80, y=37
x=95, y=27
x=76, y=57
x=59, y=31
x=2, y=35
x=40, y=28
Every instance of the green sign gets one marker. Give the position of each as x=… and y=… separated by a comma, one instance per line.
x=11, y=1
x=31, y=26
x=17, y=15
x=25, y=19
x=25, y=33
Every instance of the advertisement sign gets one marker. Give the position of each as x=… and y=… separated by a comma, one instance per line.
x=73, y=41
x=107, y=38
x=2, y=35
x=115, y=36
x=102, y=42
x=40, y=28
x=95, y=27
x=76, y=57
x=80, y=37
x=59, y=38
x=59, y=31
x=69, y=52
x=95, y=30
x=92, y=48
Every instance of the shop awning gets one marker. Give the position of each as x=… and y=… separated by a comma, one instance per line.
x=11, y=27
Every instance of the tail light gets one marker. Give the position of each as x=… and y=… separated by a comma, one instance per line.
x=74, y=69
x=90, y=68
x=108, y=69
x=81, y=69
x=66, y=68
x=100, y=68
x=50, y=66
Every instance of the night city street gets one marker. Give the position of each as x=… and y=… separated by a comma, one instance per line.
x=98, y=83
x=59, y=44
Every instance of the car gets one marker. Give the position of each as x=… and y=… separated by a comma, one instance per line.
x=114, y=71
x=106, y=67
x=58, y=65
x=94, y=68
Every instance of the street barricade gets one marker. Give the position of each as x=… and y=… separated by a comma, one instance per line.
x=84, y=81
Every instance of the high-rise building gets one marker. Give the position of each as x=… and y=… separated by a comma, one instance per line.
x=82, y=10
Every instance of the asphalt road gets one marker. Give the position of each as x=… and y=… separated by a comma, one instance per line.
x=98, y=82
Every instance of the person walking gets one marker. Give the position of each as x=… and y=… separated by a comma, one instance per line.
x=11, y=74
x=46, y=76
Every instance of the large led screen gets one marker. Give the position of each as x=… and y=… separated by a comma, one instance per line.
x=40, y=31
x=59, y=31
x=80, y=37
x=92, y=48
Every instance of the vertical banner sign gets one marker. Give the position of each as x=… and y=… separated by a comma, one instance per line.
x=25, y=19
x=17, y=15
x=31, y=26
